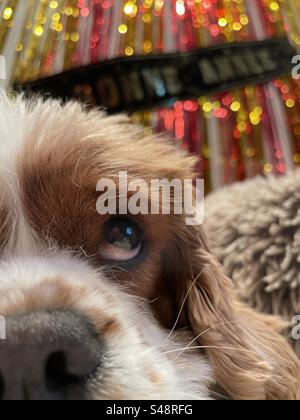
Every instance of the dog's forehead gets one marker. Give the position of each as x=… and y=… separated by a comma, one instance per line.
x=41, y=138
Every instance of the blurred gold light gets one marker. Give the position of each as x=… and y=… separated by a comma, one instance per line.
x=255, y=115
x=38, y=30
x=237, y=26
x=274, y=6
x=74, y=37
x=123, y=29
x=147, y=46
x=130, y=9
x=147, y=18
x=53, y=5
x=268, y=167
x=255, y=120
x=235, y=106
x=223, y=22
x=207, y=107
x=56, y=17
x=7, y=13
x=290, y=103
x=58, y=27
x=19, y=47
x=129, y=51
x=244, y=20
x=68, y=11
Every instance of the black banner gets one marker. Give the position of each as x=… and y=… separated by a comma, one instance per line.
x=137, y=83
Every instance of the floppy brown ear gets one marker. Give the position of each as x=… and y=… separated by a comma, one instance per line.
x=251, y=359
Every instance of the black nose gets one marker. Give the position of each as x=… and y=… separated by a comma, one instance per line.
x=48, y=356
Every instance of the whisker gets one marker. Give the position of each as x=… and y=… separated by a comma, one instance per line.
x=209, y=329
x=182, y=306
x=205, y=347
x=149, y=302
x=212, y=328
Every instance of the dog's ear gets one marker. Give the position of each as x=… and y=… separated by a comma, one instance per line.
x=250, y=358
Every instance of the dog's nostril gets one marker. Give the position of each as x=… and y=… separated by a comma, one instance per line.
x=57, y=376
x=2, y=387
x=49, y=356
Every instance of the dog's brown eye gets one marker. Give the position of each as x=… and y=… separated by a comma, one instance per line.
x=122, y=240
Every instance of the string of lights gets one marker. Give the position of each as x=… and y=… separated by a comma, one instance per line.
x=238, y=134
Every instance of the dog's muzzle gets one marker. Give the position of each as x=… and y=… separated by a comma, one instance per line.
x=48, y=356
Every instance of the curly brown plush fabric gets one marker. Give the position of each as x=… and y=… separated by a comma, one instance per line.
x=254, y=228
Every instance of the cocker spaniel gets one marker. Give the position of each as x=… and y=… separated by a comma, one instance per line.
x=115, y=307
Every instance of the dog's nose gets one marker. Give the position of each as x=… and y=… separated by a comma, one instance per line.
x=48, y=356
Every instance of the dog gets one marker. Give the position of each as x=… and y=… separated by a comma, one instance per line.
x=115, y=307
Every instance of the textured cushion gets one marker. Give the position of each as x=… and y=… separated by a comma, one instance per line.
x=254, y=228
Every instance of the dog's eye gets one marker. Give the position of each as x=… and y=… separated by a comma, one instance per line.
x=122, y=240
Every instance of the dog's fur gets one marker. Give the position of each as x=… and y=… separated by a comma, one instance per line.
x=254, y=228
x=51, y=158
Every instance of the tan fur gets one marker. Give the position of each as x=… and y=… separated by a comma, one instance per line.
x=65, y=154
x=251, y=360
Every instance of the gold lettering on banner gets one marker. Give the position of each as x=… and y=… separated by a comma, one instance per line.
x=209, y=74
x=174, y=86
x=224, y=69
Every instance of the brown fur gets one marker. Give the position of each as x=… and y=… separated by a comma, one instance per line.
x=250, y=358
